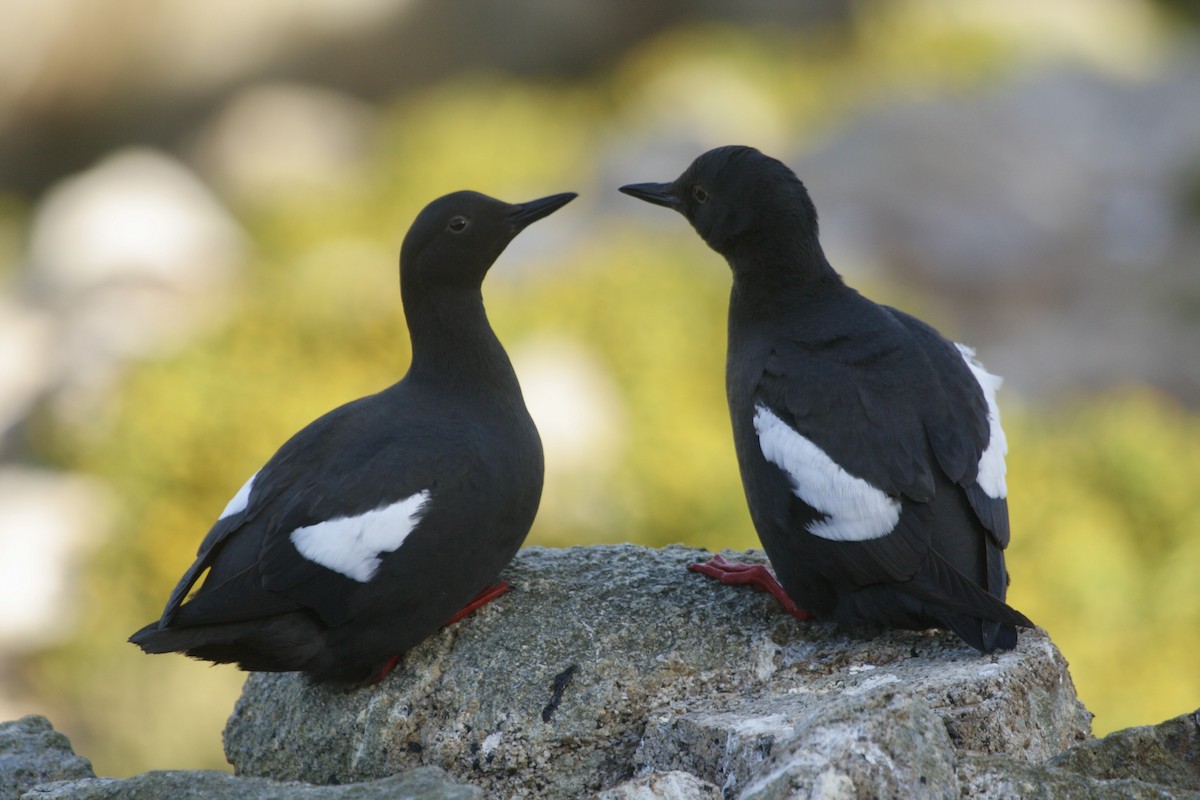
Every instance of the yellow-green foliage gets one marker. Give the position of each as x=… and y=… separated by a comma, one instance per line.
x=1104, y=507
x=1106, y=543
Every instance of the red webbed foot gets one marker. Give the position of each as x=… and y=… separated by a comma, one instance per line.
x=757, y=575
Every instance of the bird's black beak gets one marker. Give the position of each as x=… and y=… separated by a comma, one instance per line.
x=525, y=214
x=660, y=194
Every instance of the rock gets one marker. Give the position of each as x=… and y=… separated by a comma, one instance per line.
x=1008, y=703
x=275, y=139
x=1160, y=761
x=997, y=778
x=425, y=783
x=614, y=661
x=1167, y=754
x=134, y=257
x=673, y=785
x=882, y=742
x=613, y=673
x=1067, y=184
x=32, y=752
x=49, y=523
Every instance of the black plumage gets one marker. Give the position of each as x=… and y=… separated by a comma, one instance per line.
x=869, y=446
x=373, y=525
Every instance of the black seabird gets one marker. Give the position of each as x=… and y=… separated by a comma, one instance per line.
x=373, y=525
x=870, y=447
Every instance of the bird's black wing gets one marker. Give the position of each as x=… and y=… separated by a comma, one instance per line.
x=344, y=488
x=845, y=397
x=876, y=401
x=966, y=426
x=328, y=471
x=228, y=554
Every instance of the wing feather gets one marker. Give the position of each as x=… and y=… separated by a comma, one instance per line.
x=898, y=407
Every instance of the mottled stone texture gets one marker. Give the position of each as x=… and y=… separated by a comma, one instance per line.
x=426, y=783
x=608, y=663
x=32, y=752
x=613, y=673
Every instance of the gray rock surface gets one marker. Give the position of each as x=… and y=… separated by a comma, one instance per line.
x=32, y=752
x=426, y=783
x=610, y=662
x=612, y=673
x=996, y=778
x=1048, y=220
x=673, y=785
x=886, y=742
x=1167, y=754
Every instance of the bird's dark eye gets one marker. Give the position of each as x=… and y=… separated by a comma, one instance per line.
x=457, y=225
x=699, y=195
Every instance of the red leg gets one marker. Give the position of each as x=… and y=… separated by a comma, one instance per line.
x=482, y=599
x=383, y=673
x=756, y=575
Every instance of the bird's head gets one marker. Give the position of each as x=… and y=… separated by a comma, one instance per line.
x=456, y=238
x=733, y=195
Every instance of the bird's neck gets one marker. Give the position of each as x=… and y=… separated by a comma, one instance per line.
x=769, y=282
x=453, y=342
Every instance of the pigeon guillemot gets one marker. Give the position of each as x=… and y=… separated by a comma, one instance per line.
x=869, y=446
x=373, y=525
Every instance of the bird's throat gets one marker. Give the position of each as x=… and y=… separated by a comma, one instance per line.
x=451, y=337
x=765, y=291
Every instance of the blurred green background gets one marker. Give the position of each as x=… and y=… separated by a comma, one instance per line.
x=168, y=379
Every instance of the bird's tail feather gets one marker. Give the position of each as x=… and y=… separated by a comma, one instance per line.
x=982, y=620
x=280, y=644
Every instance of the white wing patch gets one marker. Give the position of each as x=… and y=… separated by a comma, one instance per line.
x=352, y=546
x=240, y=500
x=991, y=464
x=855, y=510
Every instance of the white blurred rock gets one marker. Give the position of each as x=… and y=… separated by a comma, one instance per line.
x=26, y=360
x=271, y=140
x=573, y=401
x=581, y=419
x=138, y=215
x=48, y=522
x=135, y=256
